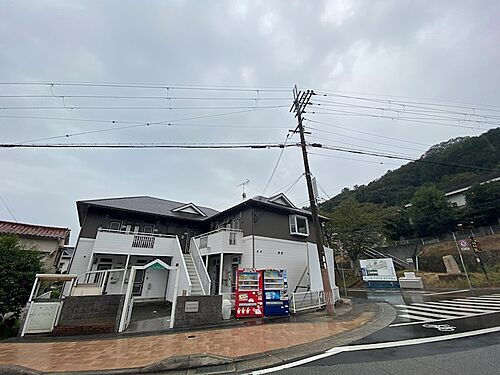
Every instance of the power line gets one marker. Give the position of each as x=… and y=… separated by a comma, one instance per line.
x=150, y=97
x=428, y=100
x=275, y=166
x=234, y=145
x=131, y=126
x=94, y=108
x=403, y=108
x=149, y=86
x=353, y=144
x=361, y=132
x=293, y=183
x=354, y=159
x=398, y=118
x=404, y=158
x=8, y=209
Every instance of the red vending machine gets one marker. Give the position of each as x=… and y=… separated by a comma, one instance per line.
x=249, y=293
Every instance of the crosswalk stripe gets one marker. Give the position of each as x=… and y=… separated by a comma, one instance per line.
x=480, y=298
x=433, y=309
x=495, y=300
x=472, y=304
x=428, y=314
x=470, y=300
x=409, y=316
x=450, y=307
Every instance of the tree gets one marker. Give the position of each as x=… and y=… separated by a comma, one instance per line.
x=18, y=266
x=483, y=203
x=397, y=224
x=356, y=226
x=430, y=211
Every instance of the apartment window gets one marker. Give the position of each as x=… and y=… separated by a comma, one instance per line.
x=115, y=225
x=299, y=225
x=147, y=229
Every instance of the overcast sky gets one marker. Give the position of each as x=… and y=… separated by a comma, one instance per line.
x=440, y=50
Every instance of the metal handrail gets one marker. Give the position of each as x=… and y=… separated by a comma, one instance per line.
x=219, y=230
x=136, y=233
x=184, y=266
x=201, y=269
x=101, y=282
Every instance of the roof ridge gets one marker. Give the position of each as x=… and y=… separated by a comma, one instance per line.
x=33, y=225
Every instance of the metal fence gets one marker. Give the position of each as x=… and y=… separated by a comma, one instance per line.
x=476, y=232
x=314, y=299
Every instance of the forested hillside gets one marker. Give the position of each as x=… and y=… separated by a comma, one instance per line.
x=438, y=166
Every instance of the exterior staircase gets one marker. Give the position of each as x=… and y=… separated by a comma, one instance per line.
x=196, y=289
x=374, y=254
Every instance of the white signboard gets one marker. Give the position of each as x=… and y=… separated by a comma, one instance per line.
x=191, y=306
x=464, y=245
x=378, y=269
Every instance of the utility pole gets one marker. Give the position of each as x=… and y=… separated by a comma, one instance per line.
x=301, y=100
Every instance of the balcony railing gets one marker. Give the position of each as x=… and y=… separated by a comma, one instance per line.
x=118, y=241
x=220, y=240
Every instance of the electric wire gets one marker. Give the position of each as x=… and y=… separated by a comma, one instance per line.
x=276, y=165
x=361, y=132
x=8, y=209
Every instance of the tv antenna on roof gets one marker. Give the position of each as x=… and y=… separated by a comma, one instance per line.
x=246, y=182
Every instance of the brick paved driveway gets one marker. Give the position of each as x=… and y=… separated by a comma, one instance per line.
x=131, y=352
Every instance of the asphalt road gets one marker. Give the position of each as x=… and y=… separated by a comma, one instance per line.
x=417, y=342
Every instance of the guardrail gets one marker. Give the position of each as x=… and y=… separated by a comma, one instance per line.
x=200, y=267
x=300, y=301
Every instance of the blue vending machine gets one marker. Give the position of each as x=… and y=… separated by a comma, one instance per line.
x=275, y=293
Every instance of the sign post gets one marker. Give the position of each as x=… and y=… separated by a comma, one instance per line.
x=459, y=248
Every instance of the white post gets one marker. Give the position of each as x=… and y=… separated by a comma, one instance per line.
x=176, y=291
x=128, y=296
x=220, y=271
x=125, y=272
x=293, y=303
x=91, y=262
x=34, y=291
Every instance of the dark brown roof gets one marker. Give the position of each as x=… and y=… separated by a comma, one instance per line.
x=145, y=204
x=22, y=229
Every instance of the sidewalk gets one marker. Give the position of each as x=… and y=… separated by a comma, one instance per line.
x=136, y=352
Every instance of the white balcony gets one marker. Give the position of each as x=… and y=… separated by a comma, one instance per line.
x=219, y=241
x=110, y=241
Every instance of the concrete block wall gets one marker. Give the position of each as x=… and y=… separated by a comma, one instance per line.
x=89, y=314
x=209, y=311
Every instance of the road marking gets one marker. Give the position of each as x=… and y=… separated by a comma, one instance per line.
x=439, y=320
x=383, y=345
x=479, y=302
x=447, y=307
x=433, y=309
x=419, y=318
x=410, y=311
x=453, y=291
x=471, y=305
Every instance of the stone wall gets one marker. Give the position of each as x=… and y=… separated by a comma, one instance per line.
x=82, y=315
x=209, y=311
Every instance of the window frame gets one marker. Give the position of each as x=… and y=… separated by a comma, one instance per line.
x=294, y=227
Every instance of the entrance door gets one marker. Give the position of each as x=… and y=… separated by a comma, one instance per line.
x=138, y=282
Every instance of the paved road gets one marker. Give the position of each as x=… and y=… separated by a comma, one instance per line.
x=477, y=356
x=433, y=334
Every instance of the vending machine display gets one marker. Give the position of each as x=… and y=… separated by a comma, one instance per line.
x=248, y=301
x=275, y=292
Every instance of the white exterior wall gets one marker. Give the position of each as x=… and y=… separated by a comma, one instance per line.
x=295, y=258
x=458, y=199
x=82, y=256
x=117, y=246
